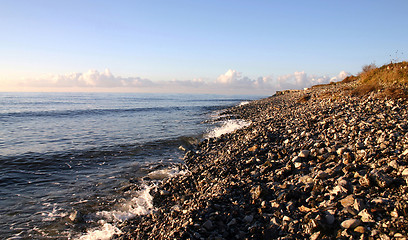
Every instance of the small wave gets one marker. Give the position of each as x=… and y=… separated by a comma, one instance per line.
x=103, y=233
x=79, y=112
x=69, y=159
x=165, y=173
x=140, y=204
x=243, y=103
x=54, y=214
x=227, y=127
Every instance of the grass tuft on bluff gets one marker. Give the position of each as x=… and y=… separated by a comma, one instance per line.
x=390, y=80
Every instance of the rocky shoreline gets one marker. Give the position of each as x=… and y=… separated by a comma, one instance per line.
x=313, y=164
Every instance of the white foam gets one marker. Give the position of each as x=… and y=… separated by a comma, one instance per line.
x=165, y=173
x=243, y=103
x=105, y=232
x=54, y=214
x=140, y=204
x=227, y=127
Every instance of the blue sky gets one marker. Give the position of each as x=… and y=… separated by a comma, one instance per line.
x=194, y=46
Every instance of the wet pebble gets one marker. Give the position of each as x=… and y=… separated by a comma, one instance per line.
x=350, y=223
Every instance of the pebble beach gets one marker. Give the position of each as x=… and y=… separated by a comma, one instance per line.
x=317, y=163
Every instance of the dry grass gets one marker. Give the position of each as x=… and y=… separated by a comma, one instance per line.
x=323, y=85
x=318, y=86
x=390, y=80
x=349, y=79
x=393, y=73
x=396, y=93
x=304, y=98
x=367, y=68
x=364, y=89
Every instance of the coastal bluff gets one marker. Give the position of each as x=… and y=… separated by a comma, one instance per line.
x=328, y=162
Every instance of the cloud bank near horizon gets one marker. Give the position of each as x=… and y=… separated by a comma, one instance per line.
x=231, y=82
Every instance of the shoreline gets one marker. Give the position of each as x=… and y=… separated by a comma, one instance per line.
x=315, y=163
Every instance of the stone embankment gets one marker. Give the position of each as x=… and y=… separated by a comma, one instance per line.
x=313, y=164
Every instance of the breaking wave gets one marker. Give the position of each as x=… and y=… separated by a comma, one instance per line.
x=243, y=103
x=227, y=127
x=140, y=204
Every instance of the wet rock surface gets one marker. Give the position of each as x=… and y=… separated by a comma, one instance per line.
x=328, y=167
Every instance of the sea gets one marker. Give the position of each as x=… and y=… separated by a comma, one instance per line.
x=76, y=165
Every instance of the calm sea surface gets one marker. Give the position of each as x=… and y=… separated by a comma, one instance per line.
x=62, y=153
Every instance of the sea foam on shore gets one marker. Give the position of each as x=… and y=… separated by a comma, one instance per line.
x=227, y=126
x=140, y=204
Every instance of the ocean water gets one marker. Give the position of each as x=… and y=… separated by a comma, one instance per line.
x=74, y=165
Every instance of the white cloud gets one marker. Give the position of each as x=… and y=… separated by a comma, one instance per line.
x=229, y=77
x=299, y=80
x=234, y=80
x=91, y=78
x=231, y=82
x=342, y=75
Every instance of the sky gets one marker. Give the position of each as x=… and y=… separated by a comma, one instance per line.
x=196, y=46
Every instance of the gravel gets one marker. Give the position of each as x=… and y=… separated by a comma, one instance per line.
x=313, y=164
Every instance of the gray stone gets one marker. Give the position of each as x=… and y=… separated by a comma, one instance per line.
x=286, y=219
x=338, y=190
x=164, y=192
x=393, y=164
x=329, y=218
x=304, y=153
x=347, y=201
x=315, y=236
x=176, y=207
x=306, y=179
x=76, y=216
x=358, y=204
x=394, y=214
x=248, y=218
x=256, y=192
x=399, y=235
x=359, y=145
x=379, y=200
x=232, y=222
x=366, y=216
x=365, y=181
x=383, y=180
x=405, y=172
x=360, y=229
x=340, y=151
x=296, y=159
x=342, y=182
x=321, y=175
x=351, y=223
x=197, y=235
x=298, y=165
x=208, y=225
x=384, y=237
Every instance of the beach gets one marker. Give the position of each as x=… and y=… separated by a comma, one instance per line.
x=71, y=164
x=319, y=163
